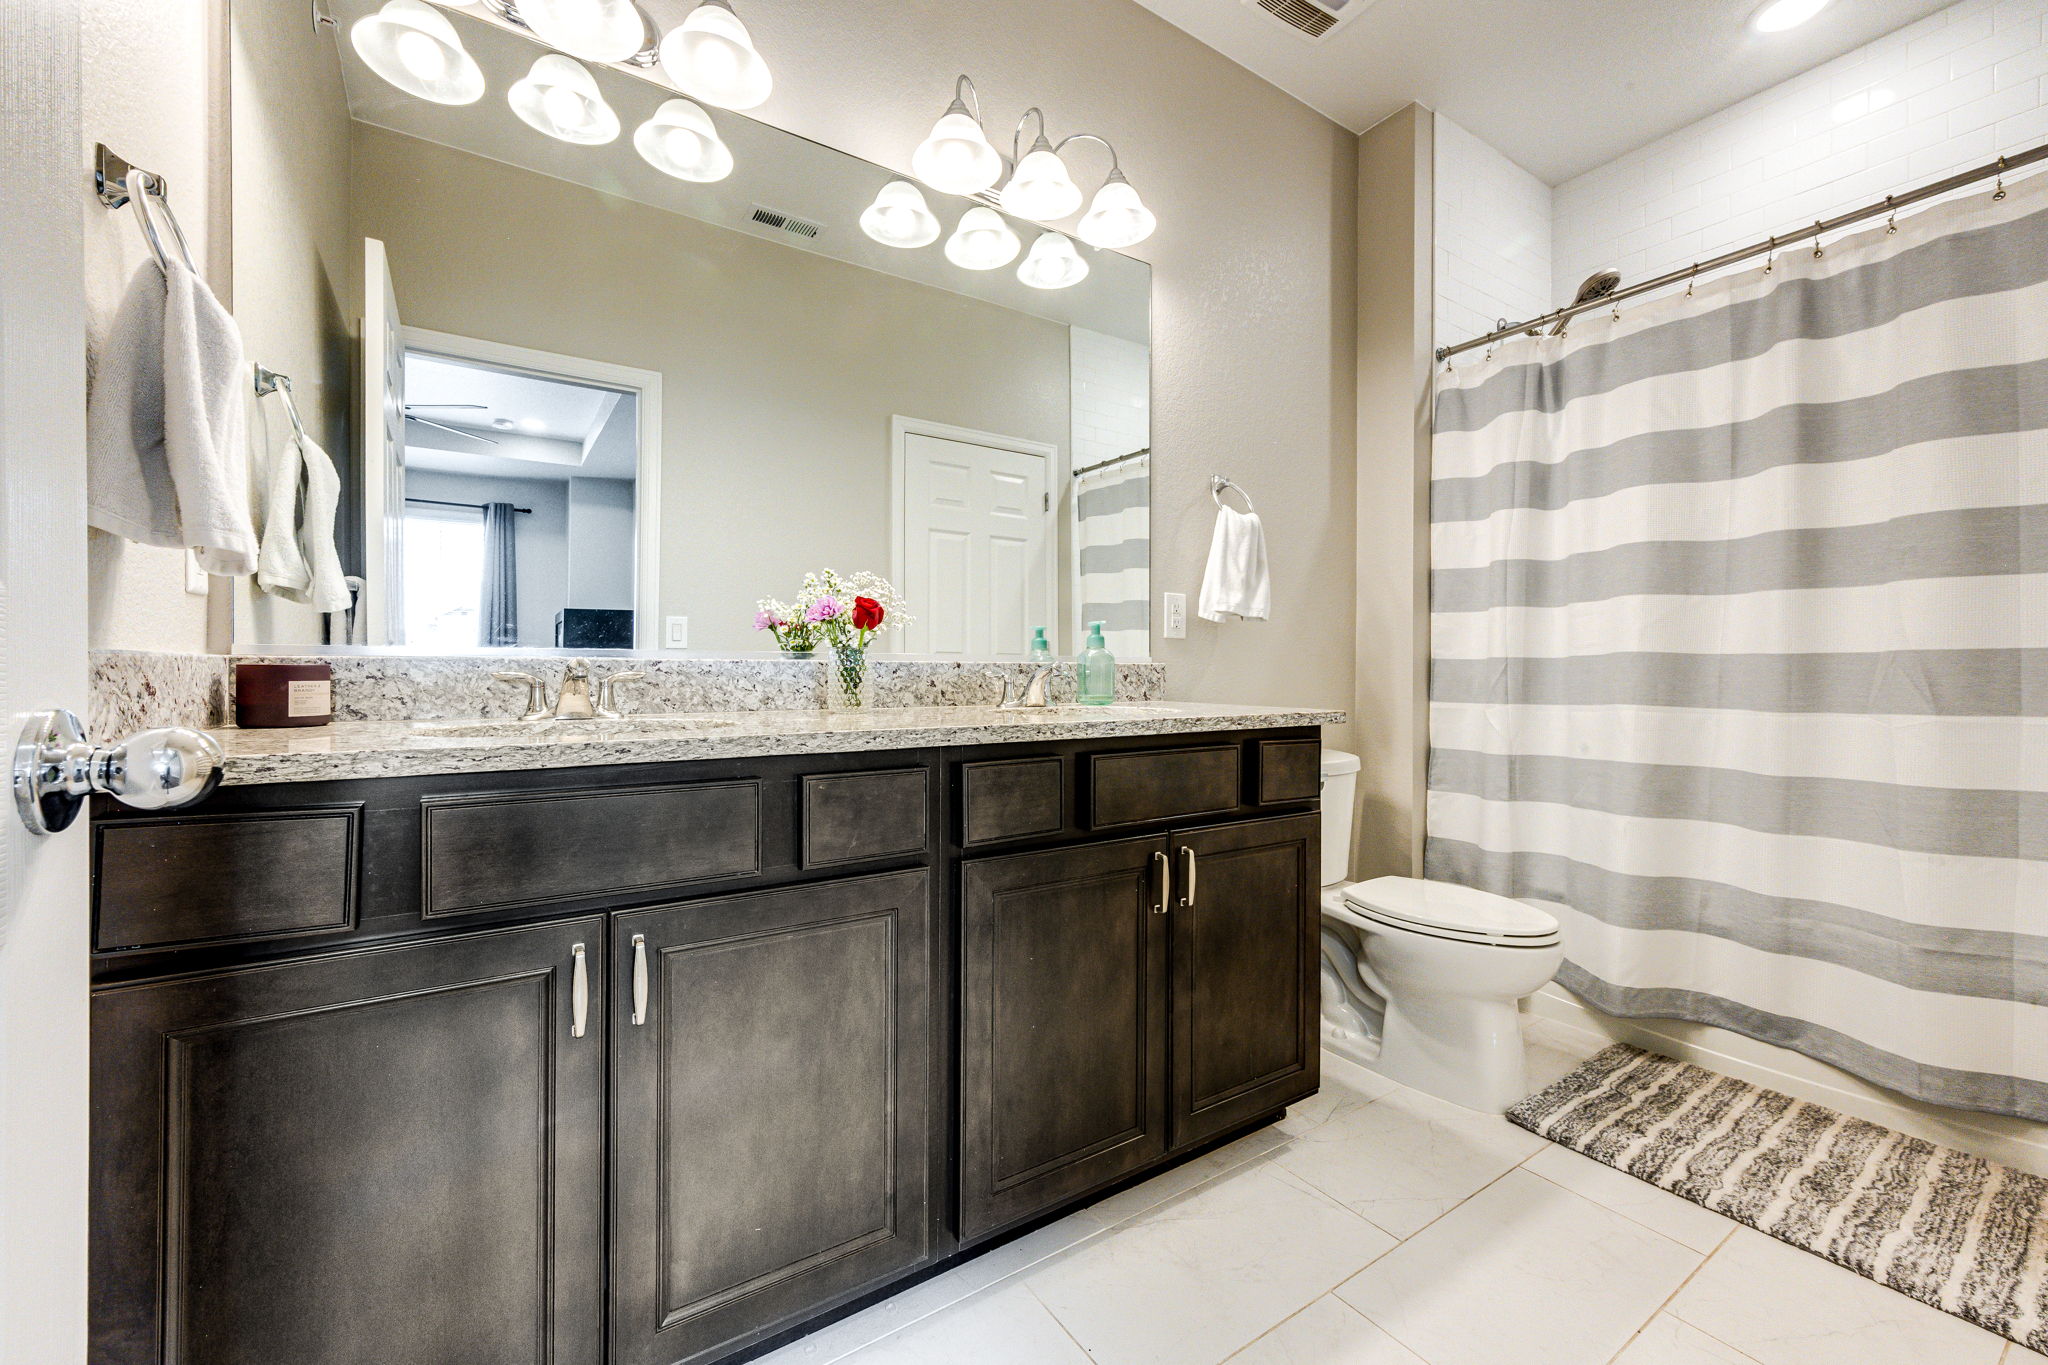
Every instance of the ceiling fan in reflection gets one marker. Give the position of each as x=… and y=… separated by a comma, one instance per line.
x=412, y=415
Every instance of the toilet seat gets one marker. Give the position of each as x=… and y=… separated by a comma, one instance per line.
x=1442, y=910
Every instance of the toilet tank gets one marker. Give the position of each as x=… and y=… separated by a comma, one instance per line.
x=1340, y=789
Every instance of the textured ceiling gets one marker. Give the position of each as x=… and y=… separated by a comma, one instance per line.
x=1560, y=86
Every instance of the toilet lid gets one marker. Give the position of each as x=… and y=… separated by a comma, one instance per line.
x=1452, y=911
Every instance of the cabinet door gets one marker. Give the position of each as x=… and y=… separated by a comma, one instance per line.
x=770, y=1110
x=390, y=1155
x=1063, y=1026
x=1245, y=1036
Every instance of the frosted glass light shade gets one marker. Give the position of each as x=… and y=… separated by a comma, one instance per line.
x=1041, y=189
x=711, y=56
x=900, y=217
x=982, y=241
x=680, y=140
x=1117, y=218
x=412, y=45
x=595, y=30
x=1053, y=263
x=560, y=98
x=957, y=158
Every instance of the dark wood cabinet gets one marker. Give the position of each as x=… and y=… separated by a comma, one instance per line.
x=1062, y=1026
x=385, y=1155
x=770, y=1101
x=1245, y=949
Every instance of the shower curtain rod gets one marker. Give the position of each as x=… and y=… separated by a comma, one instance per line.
x=1889, y=204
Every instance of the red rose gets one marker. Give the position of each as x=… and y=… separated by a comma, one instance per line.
x=867, y=613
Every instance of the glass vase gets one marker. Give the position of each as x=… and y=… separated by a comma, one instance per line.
x=849, y=683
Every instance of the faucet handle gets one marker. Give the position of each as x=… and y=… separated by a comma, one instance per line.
x=606, y=703
x=536, y=693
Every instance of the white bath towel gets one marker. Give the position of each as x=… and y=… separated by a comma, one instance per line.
x=163, y=423
x=1236, y=582
x=298, y=495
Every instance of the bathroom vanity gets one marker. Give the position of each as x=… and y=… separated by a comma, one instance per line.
x=656, y=1061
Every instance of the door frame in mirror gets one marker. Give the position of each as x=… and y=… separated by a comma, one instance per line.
x=646, y=385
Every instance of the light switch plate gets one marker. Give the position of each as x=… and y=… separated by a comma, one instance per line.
x=1175, y=610
x=677, y=633
x=195, y=577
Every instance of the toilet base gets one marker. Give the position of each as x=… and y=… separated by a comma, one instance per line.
x=1469, y=1052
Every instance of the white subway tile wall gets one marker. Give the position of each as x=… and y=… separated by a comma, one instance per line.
x=1949, y=92
x=1111, y=396
x=1493, y=224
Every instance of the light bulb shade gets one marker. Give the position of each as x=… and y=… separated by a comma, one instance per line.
x=982, y=241
x=1117, y=218
x=711, y=56
x=900, y=217
x=1053, y=263
x=412, y=45
x=1041, y=189
x=680, y=140
x=595, y=30
x=561, y=99
x=957, y=157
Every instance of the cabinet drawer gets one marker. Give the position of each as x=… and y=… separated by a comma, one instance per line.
x=1163, y=784
x=1290, y=770
x=1013, y=798
x=527, y=848
x=854, y=817
x=219, y=878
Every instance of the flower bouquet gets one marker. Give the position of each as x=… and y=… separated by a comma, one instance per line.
x=842, y=614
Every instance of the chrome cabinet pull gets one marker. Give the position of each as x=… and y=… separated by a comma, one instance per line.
x=639, y=979
x=1165, y=865
x=1187, y=900
x=579, y=994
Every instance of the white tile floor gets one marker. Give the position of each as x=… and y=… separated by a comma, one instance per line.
x=1378, y=1226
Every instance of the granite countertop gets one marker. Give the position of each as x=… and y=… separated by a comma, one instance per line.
x=358, y=749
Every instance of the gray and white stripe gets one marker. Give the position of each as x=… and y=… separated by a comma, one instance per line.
x=1739, y=617
x=1113, y=555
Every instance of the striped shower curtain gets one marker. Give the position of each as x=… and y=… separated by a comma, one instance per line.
x=1739, y=609
x=1113, y=556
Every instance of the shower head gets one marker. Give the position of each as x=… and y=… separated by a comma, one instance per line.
x=1598, y=285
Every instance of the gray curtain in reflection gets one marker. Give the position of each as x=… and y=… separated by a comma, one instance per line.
x=500, y=624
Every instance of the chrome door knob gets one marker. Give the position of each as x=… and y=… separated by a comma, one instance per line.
x=56, y=768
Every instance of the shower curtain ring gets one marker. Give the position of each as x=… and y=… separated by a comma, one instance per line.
x=1891, y=223
x=1692, y=279
x=1771, y=257
x=1817, y=252
x=1998, y=193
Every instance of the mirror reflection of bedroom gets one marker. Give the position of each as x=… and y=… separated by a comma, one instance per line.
x=518, y=490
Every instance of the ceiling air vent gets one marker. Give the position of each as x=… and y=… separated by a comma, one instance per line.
x=1312, y=19
x=786, y=222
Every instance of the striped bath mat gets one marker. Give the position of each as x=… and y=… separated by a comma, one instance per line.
x=1966, y=1235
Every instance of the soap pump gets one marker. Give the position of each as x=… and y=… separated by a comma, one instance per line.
x=1041, y=652
x=1097, y=670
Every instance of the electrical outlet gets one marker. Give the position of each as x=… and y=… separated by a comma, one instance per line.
x=1175, y=611
x=677, y=635
x=195, y=577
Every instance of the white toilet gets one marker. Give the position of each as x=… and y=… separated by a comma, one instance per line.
x=1422, y=979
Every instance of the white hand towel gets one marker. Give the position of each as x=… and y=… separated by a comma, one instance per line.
x=297, y=559
x=164, y=463
x=1236, y=582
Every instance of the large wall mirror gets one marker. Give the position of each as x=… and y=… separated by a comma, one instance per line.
x=577, y=402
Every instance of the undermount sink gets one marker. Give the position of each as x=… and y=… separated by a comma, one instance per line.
x=581, y=728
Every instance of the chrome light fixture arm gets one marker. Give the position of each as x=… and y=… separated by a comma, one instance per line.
x=649, y=55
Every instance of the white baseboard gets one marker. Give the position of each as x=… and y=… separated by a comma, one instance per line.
x=1995, y=1137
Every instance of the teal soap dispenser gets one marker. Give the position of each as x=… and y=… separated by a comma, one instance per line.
x=1041, y=652
x=1097, y=671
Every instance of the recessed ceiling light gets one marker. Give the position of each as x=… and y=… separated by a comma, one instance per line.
x=532, y=425
x=1779, y=15
x=502, y=423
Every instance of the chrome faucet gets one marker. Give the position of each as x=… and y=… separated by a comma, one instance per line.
x=574, y=700
x=1035, y=696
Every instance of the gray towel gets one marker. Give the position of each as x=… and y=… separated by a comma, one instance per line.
x=163, y=422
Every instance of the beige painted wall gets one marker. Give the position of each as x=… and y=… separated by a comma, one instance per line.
x=1396, y=298
x=780, y=368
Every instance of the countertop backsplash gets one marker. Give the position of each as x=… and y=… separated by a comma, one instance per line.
x=134, y=690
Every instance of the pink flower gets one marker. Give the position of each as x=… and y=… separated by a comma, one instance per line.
x=764, y=621
x=824, y=609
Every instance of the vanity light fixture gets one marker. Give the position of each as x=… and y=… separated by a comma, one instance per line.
x=560, y=98
x=711, y=56
x=982, y=241
x=680, y=140
x=1117, y=218
x=1053, y=263
x=957, y=157
x=1040, y=188
x=595, y=30
x=411, y=44
x=900, y=217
